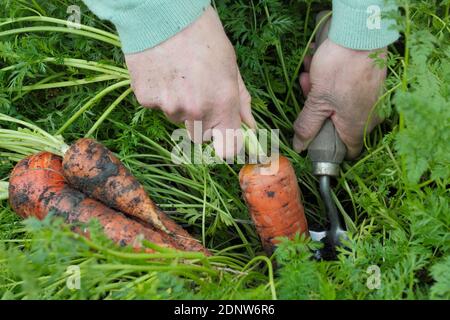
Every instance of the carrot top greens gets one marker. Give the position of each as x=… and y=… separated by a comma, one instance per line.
x=3, y=190
x=56, y=81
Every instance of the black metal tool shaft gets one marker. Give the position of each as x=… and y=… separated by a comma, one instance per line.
x=327, y=152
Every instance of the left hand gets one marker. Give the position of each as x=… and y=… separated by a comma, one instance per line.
x=341, y=84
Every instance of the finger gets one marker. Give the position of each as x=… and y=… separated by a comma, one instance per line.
x=307, y=63
x=353, y=139
x=228, y=138
x=198, y=133
x=174, y=113
x=353, y=151
x=305, y=83
x=309, y=123
x=172, y=108
x=148, y=101
x=246, y=104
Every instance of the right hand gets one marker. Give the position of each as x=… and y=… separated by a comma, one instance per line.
x=194, y=76
x=344, y=85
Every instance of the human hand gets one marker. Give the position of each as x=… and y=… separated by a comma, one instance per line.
x=341, y=84
x=194, y=76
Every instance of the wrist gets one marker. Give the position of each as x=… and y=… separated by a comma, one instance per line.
x=153, y=22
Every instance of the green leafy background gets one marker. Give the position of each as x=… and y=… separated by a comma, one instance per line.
x=395, y=198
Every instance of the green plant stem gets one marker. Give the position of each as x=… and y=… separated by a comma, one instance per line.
x=63, y=84
x=407, y=49
x=274, y=98
x=77, y=63
x=4, y=117
x=91, y=102
x=108, y=112
x=172, y=254
x=63, y=30
x=92, y=65
x=11, y=156
x=205, y=184
x=28, y=139
x=302, y=58
x=252, y=145
x=62, y=22
x=45, y=80
x=372, y=111
x=170, y=268
x=405, y=73
x=280, y=55
x=270, y=269
x=19, y=149
x=4, y=190
x=308, y=13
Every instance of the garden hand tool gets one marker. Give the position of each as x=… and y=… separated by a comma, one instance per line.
x=327, y=151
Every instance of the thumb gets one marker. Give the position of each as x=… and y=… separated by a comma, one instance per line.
x=227, y=138
x=246, y=104
x=305, y=83
x=310, y=121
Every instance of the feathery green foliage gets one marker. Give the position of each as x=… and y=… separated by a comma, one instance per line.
x=395, y=197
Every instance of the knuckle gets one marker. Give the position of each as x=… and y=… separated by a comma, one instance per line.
x=170, y=111
x=300, y=129
x=194, y=113
x=142, y=96
x=320, y=98
x=228, y=98
x=192, y=108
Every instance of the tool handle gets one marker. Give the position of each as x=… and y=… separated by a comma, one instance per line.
x=327, y=147
x=326, y=151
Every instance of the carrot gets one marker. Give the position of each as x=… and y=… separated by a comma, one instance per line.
x=274, y=201
x=37, y=187
x=95, y=171
x=91, y=168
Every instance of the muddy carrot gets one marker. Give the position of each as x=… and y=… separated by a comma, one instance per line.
x=273, y=198
x=91, y=168
x=37, y=187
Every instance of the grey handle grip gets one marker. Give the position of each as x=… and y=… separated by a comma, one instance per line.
x=327, y=150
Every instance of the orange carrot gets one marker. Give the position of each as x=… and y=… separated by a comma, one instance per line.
x=274, y=201
x=91, y=168
x=37, y=188
x=94, y=170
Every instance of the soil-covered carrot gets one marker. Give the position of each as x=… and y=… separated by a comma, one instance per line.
x=91, y=168
x=37, y=187
x=273, y=199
